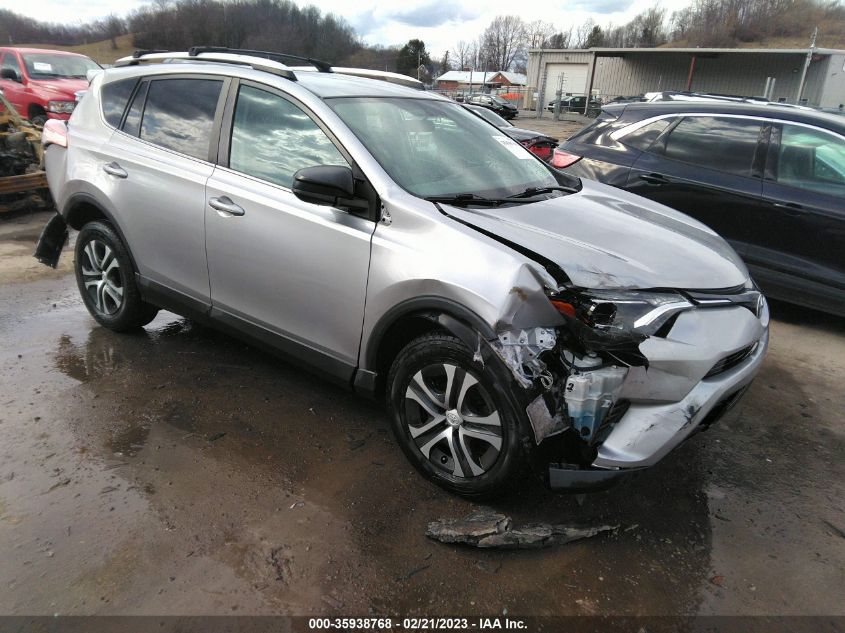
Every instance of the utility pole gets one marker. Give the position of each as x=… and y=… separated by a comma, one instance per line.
x=807, y=61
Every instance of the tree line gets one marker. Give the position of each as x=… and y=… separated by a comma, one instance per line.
x=505, y=43
x=282, y=25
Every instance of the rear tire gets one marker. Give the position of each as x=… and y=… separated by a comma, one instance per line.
x=456, y=419
x=106, y=280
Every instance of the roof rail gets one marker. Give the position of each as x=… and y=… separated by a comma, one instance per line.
x=147, y=51
x=264, y=64
x=323, y=67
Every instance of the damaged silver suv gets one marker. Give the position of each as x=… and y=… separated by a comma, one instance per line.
x=509, y=314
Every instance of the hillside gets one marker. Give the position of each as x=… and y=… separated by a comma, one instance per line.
x=101, y=52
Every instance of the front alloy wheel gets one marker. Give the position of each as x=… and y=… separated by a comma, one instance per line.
x=457, y=419
x=453, y=420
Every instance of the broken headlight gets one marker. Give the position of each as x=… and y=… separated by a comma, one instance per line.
x=615, y=311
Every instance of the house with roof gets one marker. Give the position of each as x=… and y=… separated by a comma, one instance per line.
x=478, y=80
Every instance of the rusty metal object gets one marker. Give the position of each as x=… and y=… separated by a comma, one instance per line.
x=23, y=182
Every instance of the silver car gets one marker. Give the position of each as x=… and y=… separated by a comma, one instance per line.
x=509, y=315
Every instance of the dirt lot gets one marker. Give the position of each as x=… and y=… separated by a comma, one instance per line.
x=177, y=471
x=561, y=129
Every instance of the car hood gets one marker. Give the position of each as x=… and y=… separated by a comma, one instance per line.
x=520, y=134
x=59, y=89
x=603, y=237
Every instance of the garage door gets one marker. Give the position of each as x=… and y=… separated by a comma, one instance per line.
x=574, y=79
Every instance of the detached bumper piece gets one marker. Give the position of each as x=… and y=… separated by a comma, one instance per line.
x=52, y=241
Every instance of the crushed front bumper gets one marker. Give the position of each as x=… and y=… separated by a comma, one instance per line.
x=648, y=432
x=656, y=422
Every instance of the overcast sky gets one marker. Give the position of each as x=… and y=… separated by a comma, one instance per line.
x=439, y=23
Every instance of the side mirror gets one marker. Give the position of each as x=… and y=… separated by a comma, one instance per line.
x=324, y=184
x=11, y=74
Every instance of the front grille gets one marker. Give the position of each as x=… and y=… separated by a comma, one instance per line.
x=731, y=360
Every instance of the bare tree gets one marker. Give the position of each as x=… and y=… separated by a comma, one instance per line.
x=561, y=39
x=538, y=33
x=582, y=33
x=463, y=54
x=111, y=27
x=503, y=41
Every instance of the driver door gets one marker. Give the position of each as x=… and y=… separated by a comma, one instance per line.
x=288, y=272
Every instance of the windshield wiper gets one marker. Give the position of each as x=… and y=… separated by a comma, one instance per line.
x=536, y=191
x=466, y=198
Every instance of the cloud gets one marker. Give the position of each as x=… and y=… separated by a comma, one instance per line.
x=431, y=14
x=602, y=7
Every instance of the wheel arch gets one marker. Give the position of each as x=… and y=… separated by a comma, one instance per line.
x=35, y=109
x=82, y=208
x=408, y=320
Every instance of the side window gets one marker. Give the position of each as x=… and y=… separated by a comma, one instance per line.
x=10, y=61
x=811, y=159
x=179, y=114
x=272, y=138
x=643, y=137
x=114, y=97
x=132, y=124
x=723, y=144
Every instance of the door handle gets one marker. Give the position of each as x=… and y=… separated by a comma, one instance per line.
x=225, y=207
x=655, y=179
x=791, y=208
x=113, y=169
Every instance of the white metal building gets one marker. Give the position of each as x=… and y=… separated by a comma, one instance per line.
x=813, y=76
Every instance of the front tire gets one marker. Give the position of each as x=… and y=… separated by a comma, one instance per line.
x=455, y=418
x=106, y=280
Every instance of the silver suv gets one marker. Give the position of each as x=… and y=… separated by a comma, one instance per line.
x=509, y=315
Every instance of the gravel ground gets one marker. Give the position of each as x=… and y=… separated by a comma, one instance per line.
x=178, y=471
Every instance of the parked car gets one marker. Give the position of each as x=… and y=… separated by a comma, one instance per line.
x=502, y=107
x=507, y=313
x=770, y=179
x=42, y=84
x=575, y=104
x=541, y=145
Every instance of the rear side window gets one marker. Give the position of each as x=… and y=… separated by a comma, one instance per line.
x=114, y=96
x=643, y=138
x=724, y=144
x=179, y=114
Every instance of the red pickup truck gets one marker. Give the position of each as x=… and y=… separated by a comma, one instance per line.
x=42, y=84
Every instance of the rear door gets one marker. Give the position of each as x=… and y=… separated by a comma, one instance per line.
x=709, y=167
x=287, y=271
x=157, y=171
x=801, y=239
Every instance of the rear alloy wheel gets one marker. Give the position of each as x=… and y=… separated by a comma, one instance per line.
x=106, y=280
x=456, y=418
x=100, y=272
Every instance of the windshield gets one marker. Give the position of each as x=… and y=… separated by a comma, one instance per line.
x=436, y=148
x=51, y=66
